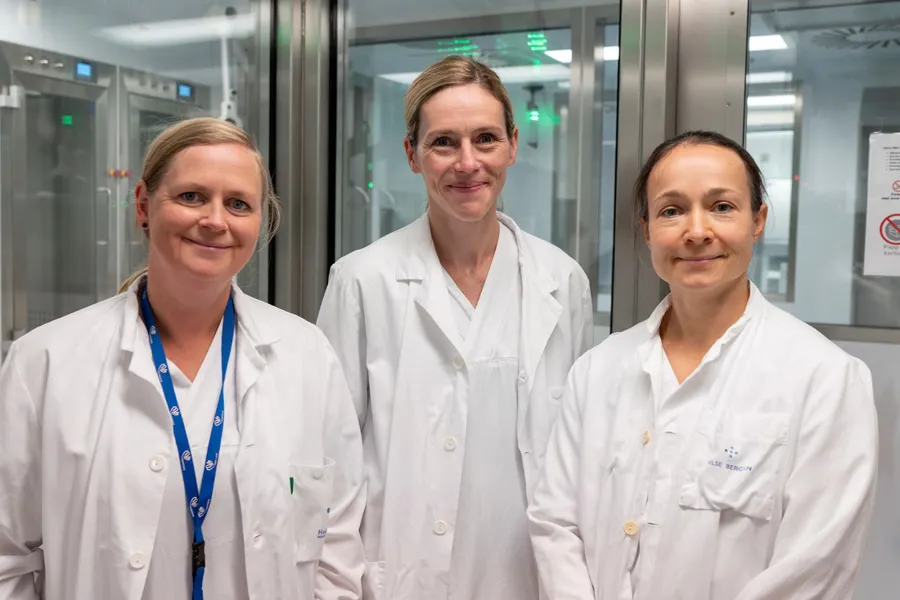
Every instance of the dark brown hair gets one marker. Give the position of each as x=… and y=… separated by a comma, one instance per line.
x=697, y=138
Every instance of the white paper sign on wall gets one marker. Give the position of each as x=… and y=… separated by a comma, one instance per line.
x=883, y=206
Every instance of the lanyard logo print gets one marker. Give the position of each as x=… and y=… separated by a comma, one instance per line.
x=198, y=501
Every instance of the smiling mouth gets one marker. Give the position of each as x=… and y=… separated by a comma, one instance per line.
x=699, y=259
x=468, y=188
x=207, y=245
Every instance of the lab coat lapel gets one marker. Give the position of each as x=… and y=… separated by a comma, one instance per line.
x=540, y=310
x=432, y=296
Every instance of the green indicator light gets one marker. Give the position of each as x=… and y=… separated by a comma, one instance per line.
x=371, y=184
x=67, y=120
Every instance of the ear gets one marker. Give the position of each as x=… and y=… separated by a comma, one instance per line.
x=759, y=221
x=411, y=155
x=141, y=203
x=514, y=146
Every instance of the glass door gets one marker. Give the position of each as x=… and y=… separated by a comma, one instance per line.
x=57, y=210
x=560, y=69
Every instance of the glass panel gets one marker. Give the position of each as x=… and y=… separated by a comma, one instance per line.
x=83, y=89
x=822, y=79
x=59, y=207
x=562, y=186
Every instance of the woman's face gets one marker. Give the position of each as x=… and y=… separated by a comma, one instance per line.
x=463, y=152
x=701, y=227
x=204, y=217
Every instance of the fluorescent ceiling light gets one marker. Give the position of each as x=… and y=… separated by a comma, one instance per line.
x=181, y=31
x=774, y=101
x=766, y=42
x=611, y=53
x=769, y=118
x=526, y=74
x=607, y=53
x=770, y=77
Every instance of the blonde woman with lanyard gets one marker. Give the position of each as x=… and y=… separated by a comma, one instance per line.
x=98, y=500
x=722, y=449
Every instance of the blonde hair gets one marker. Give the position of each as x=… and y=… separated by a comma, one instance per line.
x=450, y=72
x=204, y=131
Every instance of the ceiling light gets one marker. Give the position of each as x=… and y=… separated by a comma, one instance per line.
x=526, y=74
x=774, y=101
x=770, y=77
x=758, y=43
x=181, y=31
x=607, y=53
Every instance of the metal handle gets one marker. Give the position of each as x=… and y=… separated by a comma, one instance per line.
x=108, y=192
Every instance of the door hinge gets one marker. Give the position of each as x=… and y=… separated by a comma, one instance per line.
x=11, y=96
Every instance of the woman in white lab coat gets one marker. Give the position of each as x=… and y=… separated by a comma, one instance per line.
x=107, y=463
x=455, y=334
x=722, y=449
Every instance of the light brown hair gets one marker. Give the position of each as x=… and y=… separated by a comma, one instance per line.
x=204, y=131
x=449, y=72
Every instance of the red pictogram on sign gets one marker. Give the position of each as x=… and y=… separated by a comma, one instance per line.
x=890, y=230
x=896, y=186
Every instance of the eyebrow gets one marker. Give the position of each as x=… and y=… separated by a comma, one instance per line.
x=198, y=187
x=486, y=128
x=712, y=192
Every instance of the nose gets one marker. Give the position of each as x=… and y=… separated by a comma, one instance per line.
x=467, y=160
x=698, y=227
x=214, y=216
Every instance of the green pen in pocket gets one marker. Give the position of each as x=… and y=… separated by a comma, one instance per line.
x=292, y=486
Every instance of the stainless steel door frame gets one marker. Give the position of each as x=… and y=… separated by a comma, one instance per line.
x=25, y=71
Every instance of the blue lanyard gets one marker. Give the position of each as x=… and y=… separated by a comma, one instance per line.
x=197, y=502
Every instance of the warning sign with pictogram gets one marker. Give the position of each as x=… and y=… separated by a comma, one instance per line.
x=882, y=256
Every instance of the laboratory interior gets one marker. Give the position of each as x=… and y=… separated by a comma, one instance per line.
x=808, y=86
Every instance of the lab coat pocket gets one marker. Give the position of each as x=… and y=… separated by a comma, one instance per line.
x=311, y=493
x=373, y=581
x=736, y=464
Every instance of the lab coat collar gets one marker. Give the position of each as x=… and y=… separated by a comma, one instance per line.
x=540, y=310
x=253, y=336
x=419, y=262
x=755, y=305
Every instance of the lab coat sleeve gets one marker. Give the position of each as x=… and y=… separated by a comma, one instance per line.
x=829, y=495
x=342, y=562
x=341, y=318
x=21, y=558
x=553, y=514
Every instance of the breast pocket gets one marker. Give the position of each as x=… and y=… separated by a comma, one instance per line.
x=736, y=464
x=311, y=494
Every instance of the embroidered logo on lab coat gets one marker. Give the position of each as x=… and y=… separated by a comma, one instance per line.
x=732, y=453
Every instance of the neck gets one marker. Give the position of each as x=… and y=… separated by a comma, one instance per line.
x=698, y=320
x=186, y=315
x=464, y=246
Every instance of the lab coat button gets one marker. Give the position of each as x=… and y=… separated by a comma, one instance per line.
x=157, y=464
x=458, y=363
x=631, y=528
x=646, y=436
x=317, y=473
x=257, y=539
x=450, y=444
x=556, y=393
x=137, y=561
x=440, y=527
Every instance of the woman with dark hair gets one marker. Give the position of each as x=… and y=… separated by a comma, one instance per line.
x=721, y=449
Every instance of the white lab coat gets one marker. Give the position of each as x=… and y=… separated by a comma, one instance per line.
x=770, y=497
x=389, y=318
x=84, y=430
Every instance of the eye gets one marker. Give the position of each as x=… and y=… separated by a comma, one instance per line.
x=441, y=142
x=486, y=138
x=240, y=205
x=189, y=197
x=669, y=212
x=723, y=207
